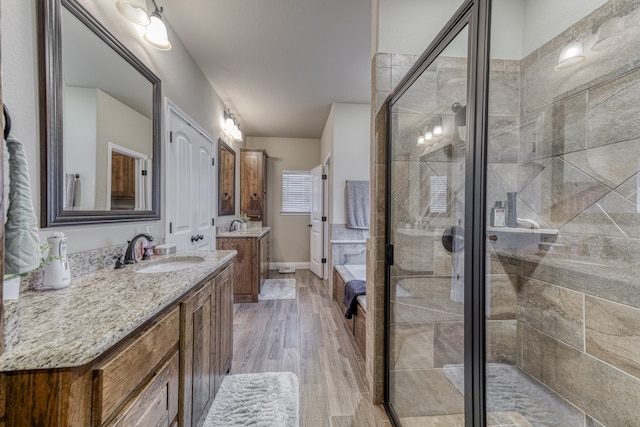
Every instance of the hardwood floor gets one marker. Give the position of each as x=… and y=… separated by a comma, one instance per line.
x=306, y=336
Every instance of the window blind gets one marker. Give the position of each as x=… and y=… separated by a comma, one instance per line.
x=438, y=194
x=296, y=191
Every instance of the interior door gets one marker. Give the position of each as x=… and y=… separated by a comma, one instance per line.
x=190, y=186
x=315, y=240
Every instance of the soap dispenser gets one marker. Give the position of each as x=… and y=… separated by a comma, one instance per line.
x=57, y=274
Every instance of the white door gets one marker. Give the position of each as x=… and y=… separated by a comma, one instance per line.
x=316, y=243
x=190, y=186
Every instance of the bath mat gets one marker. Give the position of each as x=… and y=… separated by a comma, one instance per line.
x=278, y=289
x=269, y=399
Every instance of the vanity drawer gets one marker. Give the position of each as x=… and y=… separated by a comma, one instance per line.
x=118, y=377
x=157, y=404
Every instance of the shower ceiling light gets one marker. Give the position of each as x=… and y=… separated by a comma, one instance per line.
x=607, y=33
x=134, y=10
x=570, y=55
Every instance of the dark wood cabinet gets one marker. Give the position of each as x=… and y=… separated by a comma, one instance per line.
x=198, y=350
x=253, y=184
x=123, y=176
x=224, y=324
x=252, y=264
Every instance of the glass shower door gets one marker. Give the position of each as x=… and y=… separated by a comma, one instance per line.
x=426, y=227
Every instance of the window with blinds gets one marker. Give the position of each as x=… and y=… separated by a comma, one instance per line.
x=438, y=194
x=296, y=191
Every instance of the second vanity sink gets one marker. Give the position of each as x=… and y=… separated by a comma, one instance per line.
x=171, y=264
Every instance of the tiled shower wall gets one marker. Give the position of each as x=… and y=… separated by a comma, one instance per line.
x=568, y=143
x=572, y=152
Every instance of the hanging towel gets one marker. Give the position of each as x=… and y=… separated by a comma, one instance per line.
x=70, y=190
x=22, y=243
x=357, y=201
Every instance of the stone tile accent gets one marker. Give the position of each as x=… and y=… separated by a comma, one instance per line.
x=412, y=346
x=424, y=392
x=503, y=295
x=613, y=334
x=553, y=310
x=608, y=394
x=448, y=346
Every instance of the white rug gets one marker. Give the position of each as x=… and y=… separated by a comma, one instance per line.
x=278, y=289
x=269, y=399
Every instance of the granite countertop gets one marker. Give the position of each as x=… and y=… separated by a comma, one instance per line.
x=70, y=327
x=255, y=232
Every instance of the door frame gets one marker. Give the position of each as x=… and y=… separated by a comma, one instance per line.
x=475, y=14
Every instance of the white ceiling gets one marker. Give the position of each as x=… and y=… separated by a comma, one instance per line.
x=279, y=64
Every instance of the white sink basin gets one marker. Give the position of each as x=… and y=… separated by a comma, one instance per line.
x=172, y=264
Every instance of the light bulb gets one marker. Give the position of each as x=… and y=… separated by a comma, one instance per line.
x=156, y=33
x=437, y=130
x=428, y=136
x=420, y=140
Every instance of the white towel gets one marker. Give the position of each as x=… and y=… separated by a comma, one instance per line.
x=70, y=190
x=22, y=243
x=357, y=201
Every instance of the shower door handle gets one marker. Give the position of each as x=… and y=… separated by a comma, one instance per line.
x=492, y=237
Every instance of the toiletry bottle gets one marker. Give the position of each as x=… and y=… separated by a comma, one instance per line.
x=498, y=215
x=512, y=215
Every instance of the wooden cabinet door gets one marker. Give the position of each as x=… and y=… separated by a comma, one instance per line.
x=264, y=258
x=224, y=323
x=198, y=352
x=253, y=184
x=123, y=179
x=246, y=280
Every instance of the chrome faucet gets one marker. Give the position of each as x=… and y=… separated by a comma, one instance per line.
x=233, y=222
x=130, y=254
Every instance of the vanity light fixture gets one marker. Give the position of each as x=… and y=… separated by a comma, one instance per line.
x=156, y=34
x=570, y=55
x=232, y=126
x=134, y=10
x=607, y=33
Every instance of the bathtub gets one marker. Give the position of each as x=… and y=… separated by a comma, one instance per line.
x=359, y=271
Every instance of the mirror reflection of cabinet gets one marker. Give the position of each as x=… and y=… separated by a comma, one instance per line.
x=226, y=179
x=123, y=181
x=253, y=184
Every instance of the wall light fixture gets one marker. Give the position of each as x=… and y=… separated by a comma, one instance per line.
x=232, y=126
x=136, y=12
x=570, y=55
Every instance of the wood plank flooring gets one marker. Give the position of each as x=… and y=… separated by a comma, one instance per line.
x=306, y=336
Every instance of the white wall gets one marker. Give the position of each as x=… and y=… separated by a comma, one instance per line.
x=289, y=233
x=182, y=82
x=80, y=107
x=349, y=137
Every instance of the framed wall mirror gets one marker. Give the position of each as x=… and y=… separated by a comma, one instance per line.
x=226, y=179
x=100, y=123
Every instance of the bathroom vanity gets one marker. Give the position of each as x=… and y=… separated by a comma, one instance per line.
x=122, y=347
x=252, y=262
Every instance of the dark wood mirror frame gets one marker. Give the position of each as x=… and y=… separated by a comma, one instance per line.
x=226, y=179
x=51, y=153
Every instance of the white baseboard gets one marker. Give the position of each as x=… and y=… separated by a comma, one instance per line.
x=296, y=265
